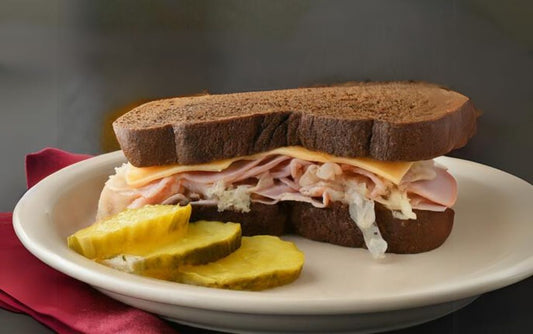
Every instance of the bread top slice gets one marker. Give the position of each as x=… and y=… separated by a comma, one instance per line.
x=391, y=121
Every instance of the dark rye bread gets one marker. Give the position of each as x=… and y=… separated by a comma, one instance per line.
x=334, y=225
x=386, y=121
x=262, y=218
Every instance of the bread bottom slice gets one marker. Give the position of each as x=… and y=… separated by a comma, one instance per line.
x=262, y=218
x=334, y=224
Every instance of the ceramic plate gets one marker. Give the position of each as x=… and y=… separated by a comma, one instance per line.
x=340, y=289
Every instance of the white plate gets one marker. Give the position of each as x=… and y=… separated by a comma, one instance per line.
x=340, y=289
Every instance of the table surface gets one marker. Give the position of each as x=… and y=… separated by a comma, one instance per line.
x=68, y=67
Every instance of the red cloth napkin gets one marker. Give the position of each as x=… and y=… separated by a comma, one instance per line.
x=60, y=302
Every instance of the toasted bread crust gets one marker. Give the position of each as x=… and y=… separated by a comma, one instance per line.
x=385, y=121
x=334, y=225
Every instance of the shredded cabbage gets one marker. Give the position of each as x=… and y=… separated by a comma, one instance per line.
x=237, y=199
x=398, y=202
x=363, y=214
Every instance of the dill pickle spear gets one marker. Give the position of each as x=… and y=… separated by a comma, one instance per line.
x=204, y=242
x=132, y=231
x=262, y=262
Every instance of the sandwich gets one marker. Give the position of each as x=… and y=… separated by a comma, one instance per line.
x=350, y=165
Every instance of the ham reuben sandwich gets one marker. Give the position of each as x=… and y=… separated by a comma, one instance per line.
x=349, y=165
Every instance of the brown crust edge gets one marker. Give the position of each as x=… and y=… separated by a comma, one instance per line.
x=334, y=225
x=200, y=142
x=424, y=140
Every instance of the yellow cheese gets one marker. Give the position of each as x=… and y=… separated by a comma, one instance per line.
x=392, y=171
x=139, y=176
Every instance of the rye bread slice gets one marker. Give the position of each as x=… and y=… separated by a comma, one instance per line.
x=262, y=218
x=334, y=225
x=386, y=121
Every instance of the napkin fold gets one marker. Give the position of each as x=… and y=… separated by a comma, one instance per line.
x=58, y=301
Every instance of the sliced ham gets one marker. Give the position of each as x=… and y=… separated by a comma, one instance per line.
x=440, y=190
x=229, y=175
x=297, y=168
x=281, y=178
x=258, y=170
x=283, y=170
x=420, y=203
x=293, y=185
x=378, y=185
x=275, y=191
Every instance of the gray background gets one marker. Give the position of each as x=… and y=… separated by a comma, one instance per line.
x=66, y=66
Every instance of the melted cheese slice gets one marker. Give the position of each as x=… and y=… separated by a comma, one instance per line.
x=392, y=171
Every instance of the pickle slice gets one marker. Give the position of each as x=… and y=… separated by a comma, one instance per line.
x=205, y=241
x=133, y=231
x=260, y=263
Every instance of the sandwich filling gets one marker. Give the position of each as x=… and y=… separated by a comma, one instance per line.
x=289, y=174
